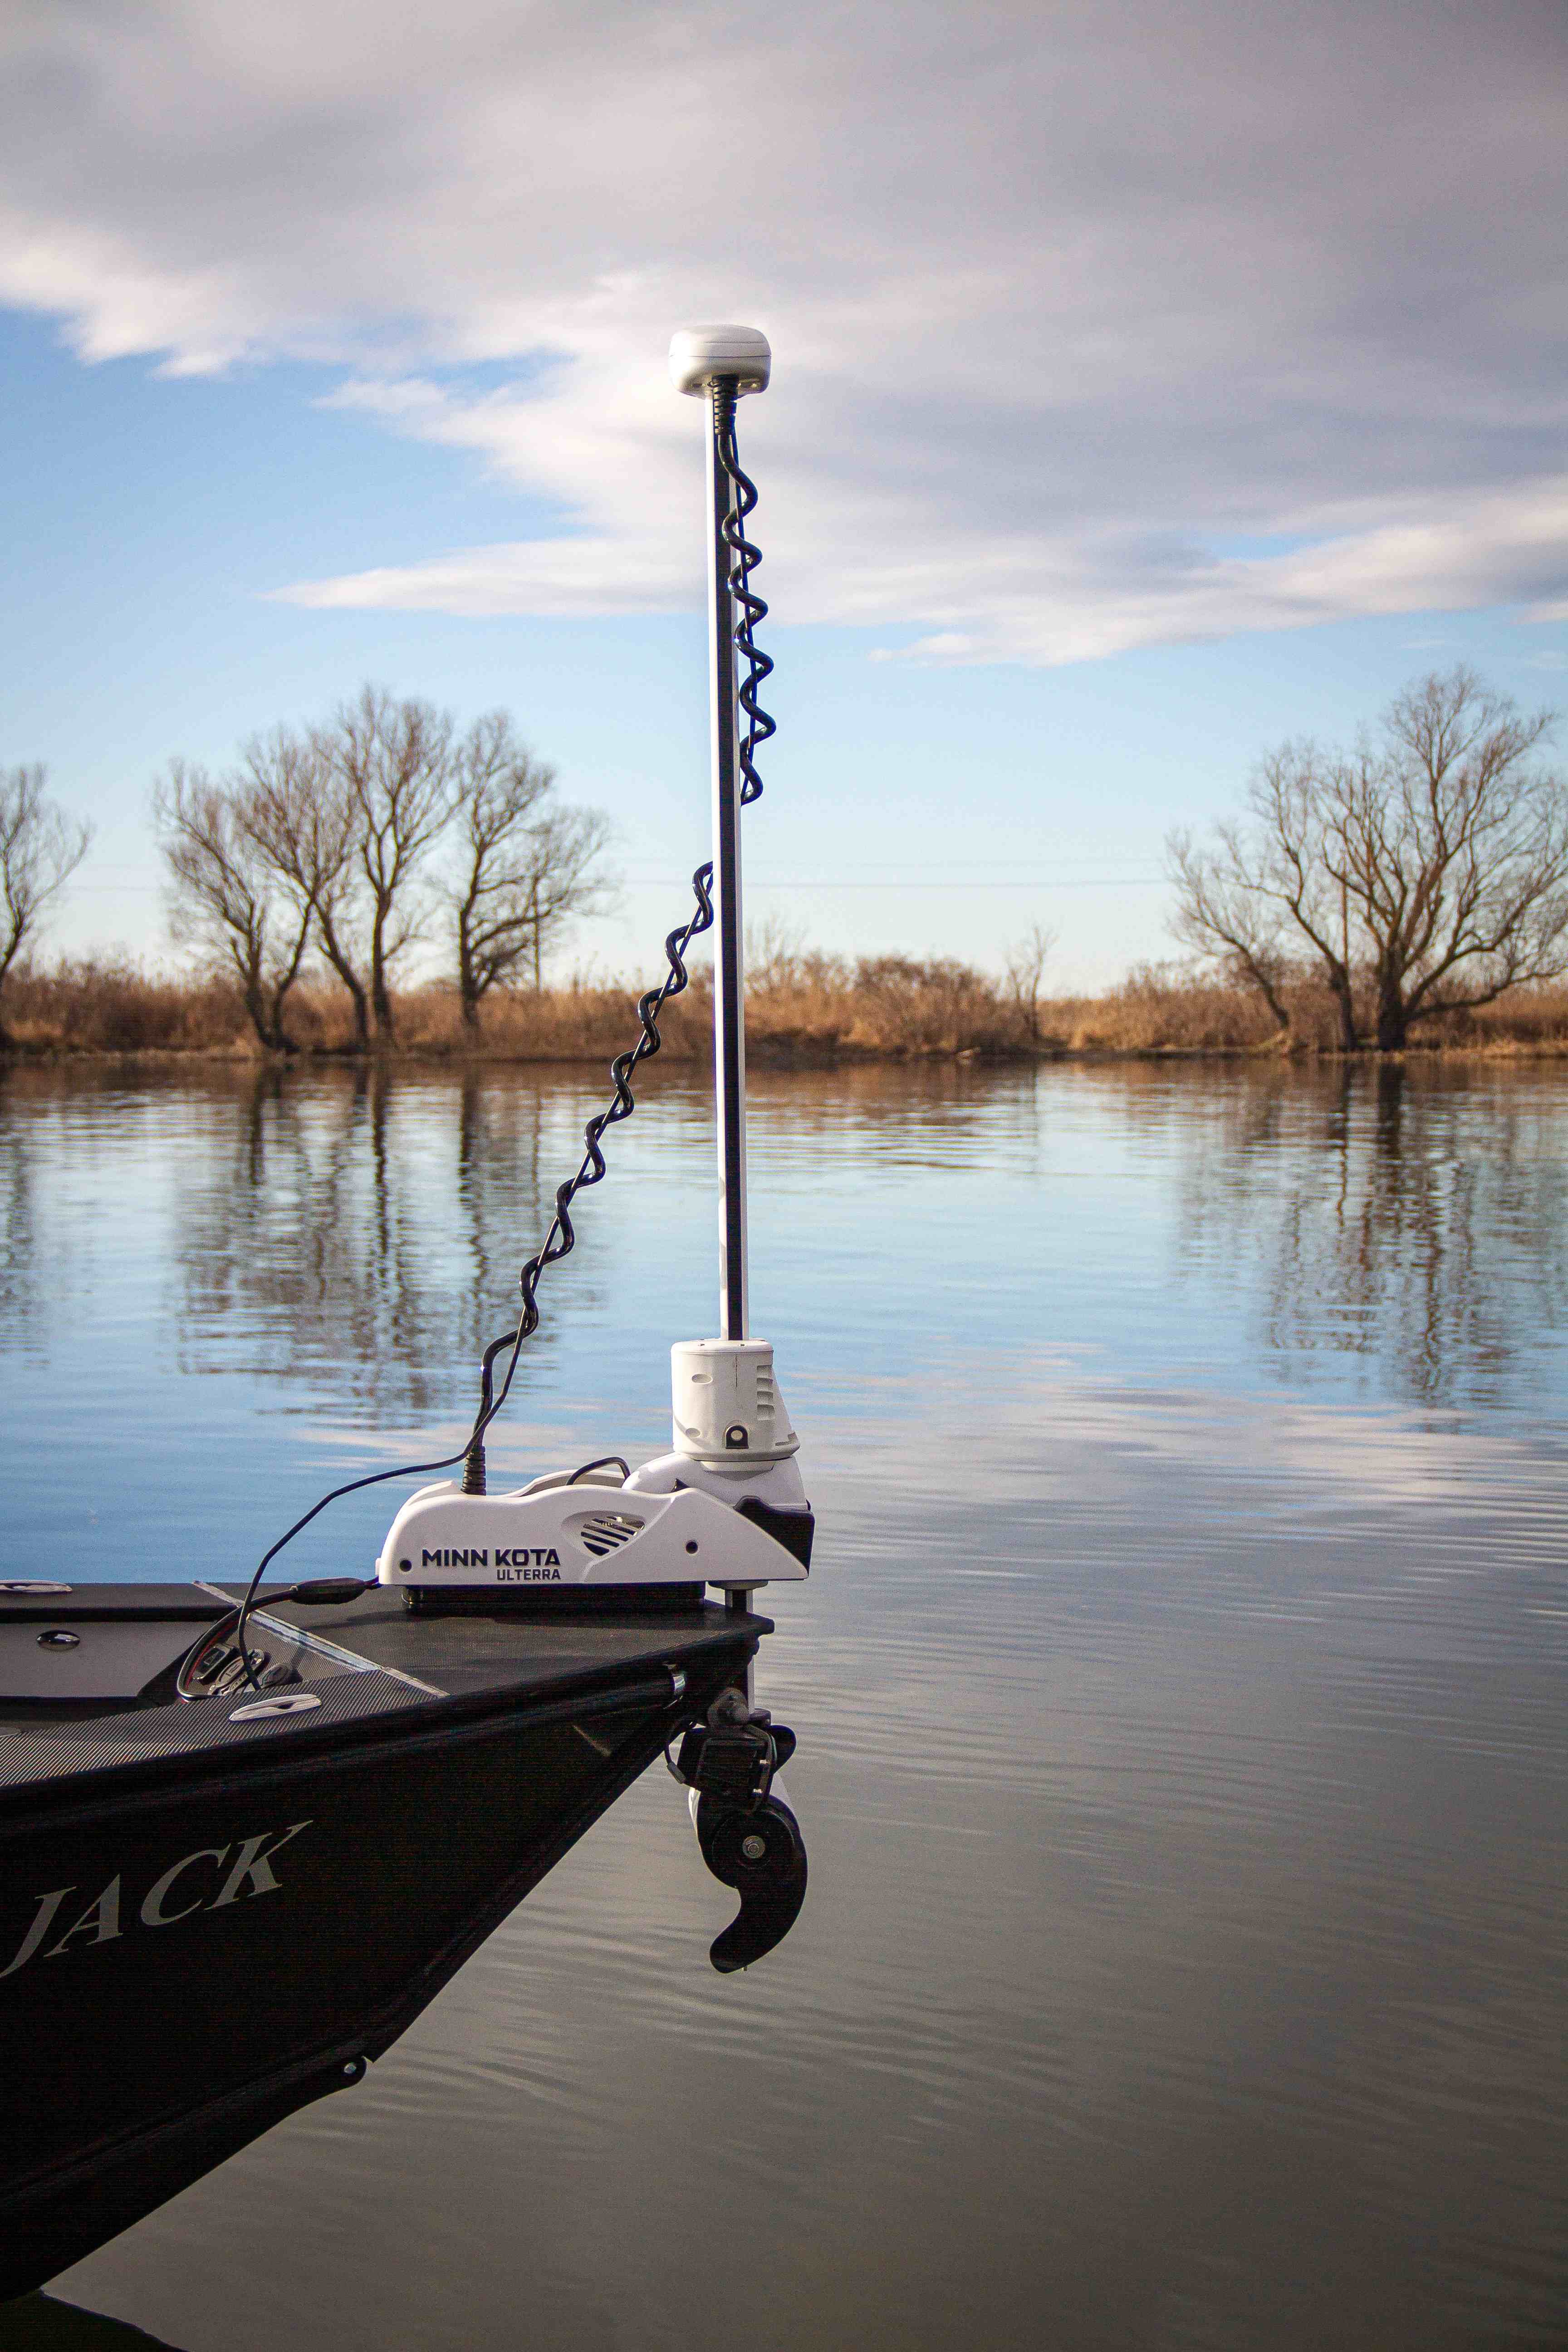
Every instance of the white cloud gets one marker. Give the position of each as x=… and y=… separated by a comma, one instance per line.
x=1062, y=297
x=1076, y=601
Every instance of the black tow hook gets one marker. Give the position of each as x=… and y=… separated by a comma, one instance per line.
x=748, y=1837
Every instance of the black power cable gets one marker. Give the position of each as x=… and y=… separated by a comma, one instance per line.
x=561, y=1239
x=759, y=726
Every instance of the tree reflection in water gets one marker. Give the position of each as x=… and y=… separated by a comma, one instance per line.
x=364, y=1230
x=1411, y=1217
x=22, y=1284
x=347, y=1237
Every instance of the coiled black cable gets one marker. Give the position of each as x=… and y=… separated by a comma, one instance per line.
x=759, y=726
x=561, y=1239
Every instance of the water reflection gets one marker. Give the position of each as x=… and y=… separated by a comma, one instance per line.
x=1413, y=1222
x=21, y=1268
x=365, y=1233
x=345, y=1240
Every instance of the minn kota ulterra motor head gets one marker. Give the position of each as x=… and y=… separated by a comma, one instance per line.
x=726, y=1506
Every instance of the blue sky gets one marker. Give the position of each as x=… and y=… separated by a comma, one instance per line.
x=1082, y=480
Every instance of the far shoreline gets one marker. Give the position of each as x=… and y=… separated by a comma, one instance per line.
x=764, y=1060
x=804, y=1012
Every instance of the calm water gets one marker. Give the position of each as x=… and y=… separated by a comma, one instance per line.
x=1180, y=1689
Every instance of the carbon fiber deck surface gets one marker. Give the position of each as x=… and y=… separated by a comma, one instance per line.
x=58, y=1751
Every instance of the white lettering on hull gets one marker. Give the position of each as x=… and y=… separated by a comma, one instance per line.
x=153, y=1911
x=100, y=1923
x=244, y=1869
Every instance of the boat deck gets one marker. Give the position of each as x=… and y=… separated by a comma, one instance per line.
x=491, y=1650
x=86, y=1675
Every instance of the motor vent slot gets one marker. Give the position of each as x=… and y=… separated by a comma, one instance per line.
x=606, y=1531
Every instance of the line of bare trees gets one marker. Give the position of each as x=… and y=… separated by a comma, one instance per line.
x=1423, y=871
x=355, y=840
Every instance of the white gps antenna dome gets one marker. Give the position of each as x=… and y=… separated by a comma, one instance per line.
x=702, y=356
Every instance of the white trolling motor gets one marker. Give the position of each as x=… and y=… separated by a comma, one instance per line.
x=726, y=1506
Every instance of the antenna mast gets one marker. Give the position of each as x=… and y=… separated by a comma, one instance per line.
x=721, y=363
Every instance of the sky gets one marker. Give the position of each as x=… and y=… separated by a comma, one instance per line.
x=1153, y=381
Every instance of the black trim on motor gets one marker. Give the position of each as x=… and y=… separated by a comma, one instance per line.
x=794, y=1529
x=545, y=1601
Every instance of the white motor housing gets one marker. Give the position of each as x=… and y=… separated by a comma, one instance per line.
x=556, y=1535
x=698, y=356
x=725, y=1402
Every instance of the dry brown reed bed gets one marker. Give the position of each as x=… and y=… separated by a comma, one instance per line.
x=803, y=1008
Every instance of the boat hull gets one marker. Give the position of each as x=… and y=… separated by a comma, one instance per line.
x=197, y=1944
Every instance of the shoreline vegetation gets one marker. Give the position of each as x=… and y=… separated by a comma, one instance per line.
x=1407, y=895
x=804, y=1009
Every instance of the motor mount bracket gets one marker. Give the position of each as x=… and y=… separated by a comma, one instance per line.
x=733, y=1764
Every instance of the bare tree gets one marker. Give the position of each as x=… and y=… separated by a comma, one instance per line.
x=524, y=869
x=776, y=953
x=1229, y=901
x=567, y=845
x=394, y=761
x=1026, y=968
x=40, y=849
x=1427, y=869
x=497, y=786
x=307, y=822
x=322, y=836
x=227, y=891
